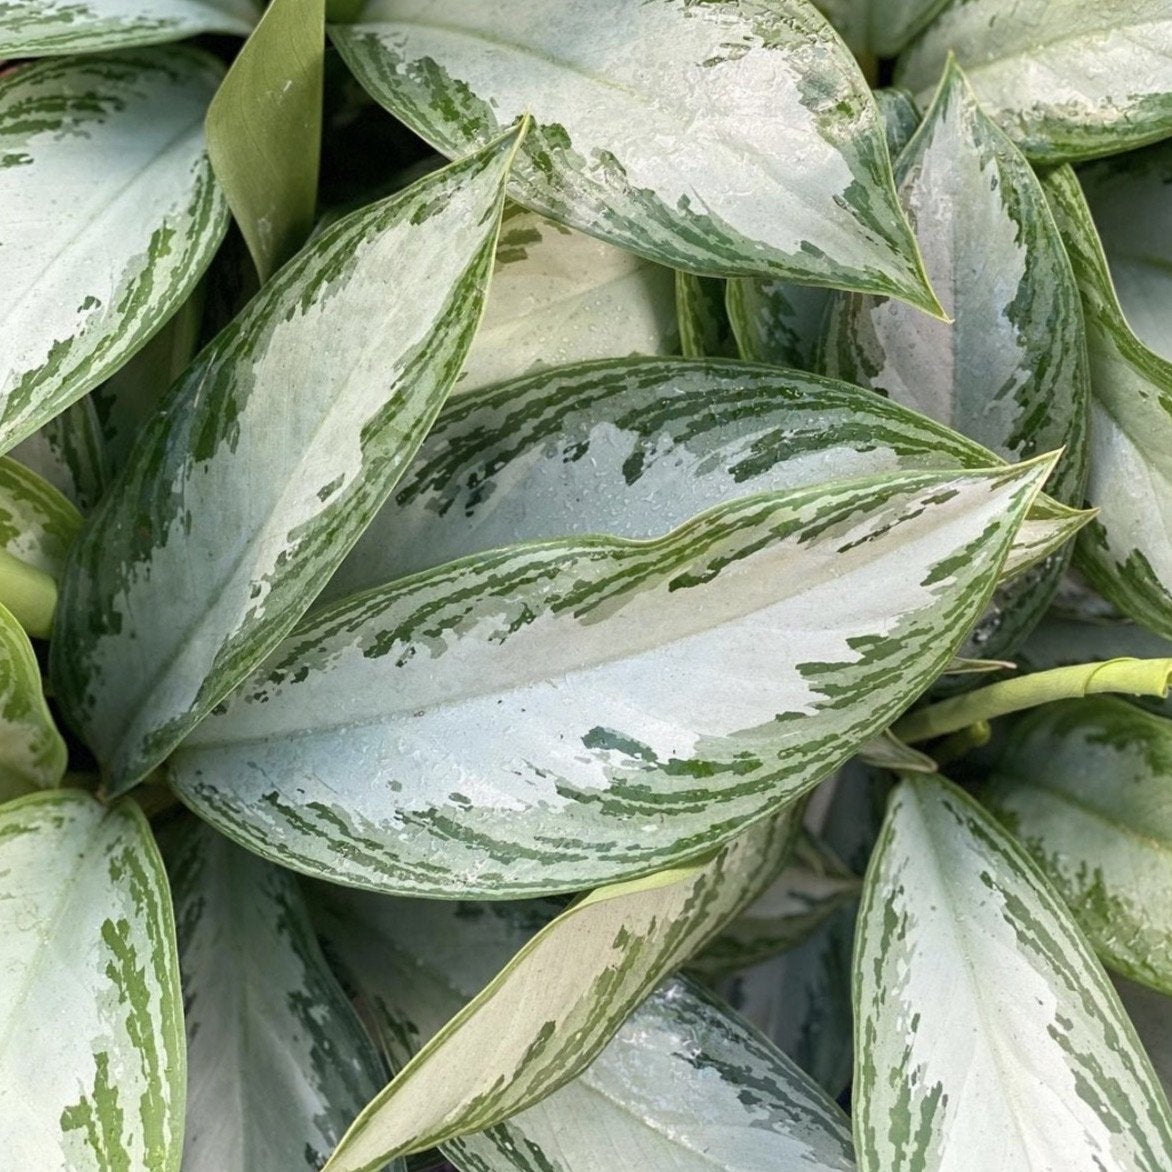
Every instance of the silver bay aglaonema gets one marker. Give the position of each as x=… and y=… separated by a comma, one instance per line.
x=276, y=447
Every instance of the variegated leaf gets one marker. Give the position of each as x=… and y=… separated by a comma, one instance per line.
x=801, y=1000
x=561, y=296
x=32, y=753
x=1085, y=786
x=1126, y=552
x=779, y=322
x=635, y=447
x=987, y=1035
x=108, y=215
x=552, y=716
x=416, y=965
x=278, y=1064
x=91, y=1015
x=767, y=158
x=42, y=28
x=810, y=889
x=1151, y=1014
x=1011, y=371
x=37, y=523
x=264, y=130
x=553, y=1006
x=276, y=447
x=705, y=331
x=1132, y=209
x=1058, y=641
x=1066, y=79
x=69, y=452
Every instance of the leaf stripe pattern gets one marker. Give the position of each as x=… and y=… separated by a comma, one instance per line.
x=37, y=523
x=554, y=716
x=61, y=27
x=109, y=214
x=633, y=447
x=278, y=1062
x=90, y=987
x=1084, y=785
x=1125, y=552
x=554, y=1004
x=781, y=169
x=987, y=1036
x=1066, y=79
x=276, y=447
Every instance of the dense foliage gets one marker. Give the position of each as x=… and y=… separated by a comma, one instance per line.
x=585, y=585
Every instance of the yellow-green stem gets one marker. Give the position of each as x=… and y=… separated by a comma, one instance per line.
x=30, y=594
x=1136, y=677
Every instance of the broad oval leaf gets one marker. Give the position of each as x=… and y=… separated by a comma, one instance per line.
x=987, y=1035
x=91, y=1015
x=37, y=523
x=108, y=216
x=42, y=28
x=1129, y=200
x=32, y=753
x=264, y=131
x=553, y=716
x=276, y=447
x=278, y=1064
x=766, y=150
x=1011, y=370
x=1066, y=79
x=636, y=447
x=554, y=1005
x=561, y=296
x=1085, y=786
x=1126, y=552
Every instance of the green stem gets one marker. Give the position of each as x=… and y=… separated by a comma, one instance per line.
x=30, y=594
x=1136, y=677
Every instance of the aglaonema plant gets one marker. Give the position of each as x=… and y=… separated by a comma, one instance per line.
x=585, y=586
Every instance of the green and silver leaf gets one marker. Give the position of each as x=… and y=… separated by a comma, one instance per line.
x=1011, y=370
x=278, y=1064
x=264, y=131
x=731, y=139
x=705, y=329
x=69, y=451
x=554, y=1005
x=561, y=296
x=779, y=322
x=91, y=1016
x=43, y=28
x=1129, y=200
x=638, y=446
x=275, y=448
x=1066, y=79
x=37, y=523
x=1087, y=787
x=987, y=1036
x=108, y=216
x=32, y=753
x=1126, y=552
x=552, y=716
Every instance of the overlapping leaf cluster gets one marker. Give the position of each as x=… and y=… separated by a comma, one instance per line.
x=512, y=600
